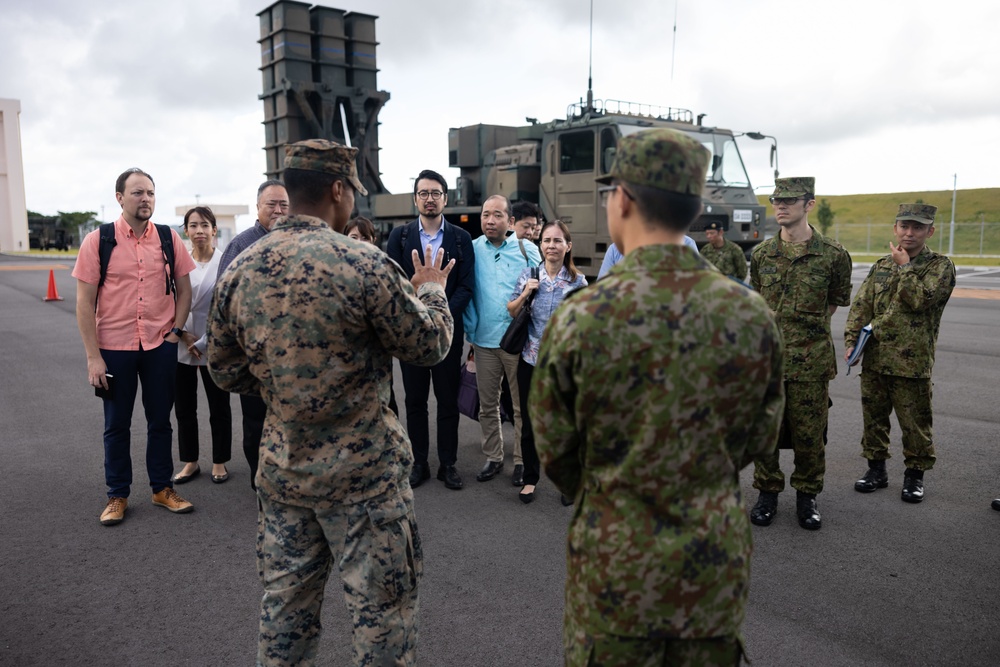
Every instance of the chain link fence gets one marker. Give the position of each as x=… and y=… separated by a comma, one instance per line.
x=972, y=239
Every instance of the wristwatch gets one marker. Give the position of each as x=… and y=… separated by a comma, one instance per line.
x=175, y=331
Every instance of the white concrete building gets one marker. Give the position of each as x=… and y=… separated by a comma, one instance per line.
x=13, y=210
x=225, y=220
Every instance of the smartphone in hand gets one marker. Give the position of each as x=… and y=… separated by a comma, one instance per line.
x=108, y=393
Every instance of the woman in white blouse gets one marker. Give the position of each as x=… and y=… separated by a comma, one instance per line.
x=200, y=227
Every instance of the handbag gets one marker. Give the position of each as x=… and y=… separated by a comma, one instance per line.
x=516, y=336
x=468, y=391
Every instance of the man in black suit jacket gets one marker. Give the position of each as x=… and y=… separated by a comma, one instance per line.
x=430, y=194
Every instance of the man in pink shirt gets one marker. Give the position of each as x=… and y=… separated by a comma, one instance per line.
x=130, y=334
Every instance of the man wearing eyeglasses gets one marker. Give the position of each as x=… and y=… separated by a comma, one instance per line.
x=430, y=195
x=803, y=276
x=499, y=261
x=272, y=203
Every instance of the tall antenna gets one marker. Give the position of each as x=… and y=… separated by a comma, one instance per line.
x=590, y=62
x=673, y=47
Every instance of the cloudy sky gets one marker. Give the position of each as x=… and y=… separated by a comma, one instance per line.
x=868, y=96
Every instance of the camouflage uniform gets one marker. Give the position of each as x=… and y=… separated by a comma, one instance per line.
x=800, y=283
x=653, y=388
x=311, y=319
x=904, y=306
x=729, y=259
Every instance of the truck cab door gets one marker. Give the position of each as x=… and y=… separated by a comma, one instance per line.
x=568, y=184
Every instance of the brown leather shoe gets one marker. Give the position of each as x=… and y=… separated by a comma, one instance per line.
x=114, y=512
x=168, y=498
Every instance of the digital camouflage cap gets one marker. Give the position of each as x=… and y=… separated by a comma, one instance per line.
x=922, y=213
x=796, y=186
x=325, y=156
x=662, y=159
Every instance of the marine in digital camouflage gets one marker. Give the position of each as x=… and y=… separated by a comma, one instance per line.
x=729, y=259
x=904, y=305
x=654, y=387
x=310, y=319
x=664, y=159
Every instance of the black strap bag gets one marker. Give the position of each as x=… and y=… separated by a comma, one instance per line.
x=516, y=336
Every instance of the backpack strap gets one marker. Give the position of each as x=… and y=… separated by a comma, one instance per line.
x=106, y=244
x=520, y=244
x=167, y=247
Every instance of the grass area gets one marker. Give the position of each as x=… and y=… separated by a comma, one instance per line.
x=863, y=223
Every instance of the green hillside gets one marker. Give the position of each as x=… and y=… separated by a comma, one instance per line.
x=863, y=223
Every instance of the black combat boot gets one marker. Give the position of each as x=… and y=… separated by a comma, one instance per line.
x=913, y=486
x=995, y=504
x=765, y=510
x=805, y=506
x=875, y=477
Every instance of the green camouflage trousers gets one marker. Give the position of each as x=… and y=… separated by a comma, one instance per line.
x=911, y=399
x=610, y=651
x=376, y=547
x=807, y=409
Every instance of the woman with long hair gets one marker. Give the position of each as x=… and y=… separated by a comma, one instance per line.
x=557, y=277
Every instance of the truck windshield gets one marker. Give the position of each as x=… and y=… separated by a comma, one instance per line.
x=726, y=167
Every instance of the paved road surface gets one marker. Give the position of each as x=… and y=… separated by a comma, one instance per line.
x=883, y=583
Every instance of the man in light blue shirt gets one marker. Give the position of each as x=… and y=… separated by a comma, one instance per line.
x=499, y=261
x=614, y=255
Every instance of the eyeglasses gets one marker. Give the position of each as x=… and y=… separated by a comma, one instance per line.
x=433, y=194
x=787, y=201
x=276, y=204
x=605, y=193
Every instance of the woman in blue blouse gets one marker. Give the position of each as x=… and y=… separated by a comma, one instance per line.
x=557, y=277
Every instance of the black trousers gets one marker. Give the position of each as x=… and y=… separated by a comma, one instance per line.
x=254, y=411
x=416, y=385
x=529, y=455
x=220, y=415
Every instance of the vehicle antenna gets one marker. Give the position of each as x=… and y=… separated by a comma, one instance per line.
x=590, y=63
x=673, y=46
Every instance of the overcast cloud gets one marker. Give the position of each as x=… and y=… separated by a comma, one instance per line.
x=866, y=96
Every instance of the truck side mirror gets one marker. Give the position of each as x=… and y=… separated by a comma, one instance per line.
x=608, y=159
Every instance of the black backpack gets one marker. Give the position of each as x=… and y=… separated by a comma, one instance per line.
x=108, y=243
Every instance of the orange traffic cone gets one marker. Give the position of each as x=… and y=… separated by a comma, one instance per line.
x=53, y=294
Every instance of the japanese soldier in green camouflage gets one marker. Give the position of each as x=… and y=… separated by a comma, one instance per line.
x=725, y=255
x=903, y=299
x=654, y=388
x=803, y=276
x=310, y=319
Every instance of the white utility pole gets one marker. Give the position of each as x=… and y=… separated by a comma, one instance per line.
x=951, y=232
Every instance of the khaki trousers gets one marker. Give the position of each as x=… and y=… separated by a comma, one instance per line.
x=492, y=364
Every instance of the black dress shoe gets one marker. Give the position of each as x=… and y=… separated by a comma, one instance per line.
x=913, y=487
x=996, y=504
x=419, y=475
x=875, y=478
x=805, y=507
x=526, y=498
x=517, y=479
x=450, y=477
x=565, y=500
x=765, y=510
x=183, y=479
x=489, y=471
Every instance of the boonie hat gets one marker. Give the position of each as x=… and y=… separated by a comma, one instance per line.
x=325, y=156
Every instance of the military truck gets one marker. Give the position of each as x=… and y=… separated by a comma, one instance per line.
x=554, y=165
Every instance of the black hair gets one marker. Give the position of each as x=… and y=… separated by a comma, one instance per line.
x=432, y=175
x=120, y=183
x=204, y=211
x=364, y=226
x=524, y=209
x=672, y=210
x=307, y=188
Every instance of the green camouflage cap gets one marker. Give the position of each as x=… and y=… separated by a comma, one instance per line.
x=796, y=186
x=662, y=159
x=326, y=156
x=922, y=213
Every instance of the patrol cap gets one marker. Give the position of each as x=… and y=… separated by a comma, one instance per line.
x=796, y=186
x=922, y=213
x=325, y=156
x=662, y=159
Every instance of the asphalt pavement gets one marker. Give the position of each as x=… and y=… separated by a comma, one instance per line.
x=883, y=583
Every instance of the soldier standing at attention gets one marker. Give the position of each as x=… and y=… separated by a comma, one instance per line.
x=646, y=420
x=310, y=319
x=803, y=276
x=723, y=253
x=903, y=299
